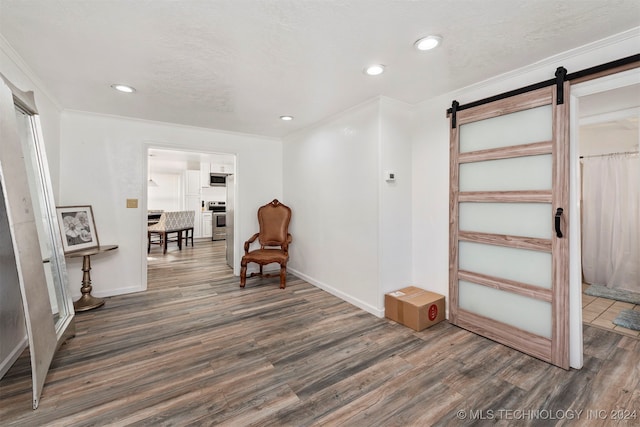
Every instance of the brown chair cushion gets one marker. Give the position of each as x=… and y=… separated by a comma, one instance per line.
x=266, y=256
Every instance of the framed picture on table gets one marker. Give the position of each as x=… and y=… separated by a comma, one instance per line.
x=77, y=227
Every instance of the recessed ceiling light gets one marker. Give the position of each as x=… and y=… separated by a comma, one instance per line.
x=123, y=88
x=374, y=70
x=427, y=43
x=286, y=118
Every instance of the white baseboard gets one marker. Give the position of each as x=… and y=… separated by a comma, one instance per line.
x=343, y=296
x=13, y=356
x=340, y=294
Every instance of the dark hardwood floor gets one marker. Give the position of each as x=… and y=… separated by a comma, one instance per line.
x=195, y=349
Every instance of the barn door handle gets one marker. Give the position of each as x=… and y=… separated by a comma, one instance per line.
x=558, y=215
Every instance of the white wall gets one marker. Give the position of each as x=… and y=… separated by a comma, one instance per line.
x=168, y=195
x=612, y=137
x=395, y=198
x=331, y=184
x=103, y=163
x=431, y=162
x=430, y=196
x=215, y=194
x=351, y=229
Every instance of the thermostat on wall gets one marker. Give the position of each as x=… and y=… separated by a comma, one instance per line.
x=389, y=176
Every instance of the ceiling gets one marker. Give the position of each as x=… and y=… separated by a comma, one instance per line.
x=237, y=65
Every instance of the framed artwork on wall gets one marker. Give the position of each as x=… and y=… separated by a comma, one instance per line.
x=77, y=227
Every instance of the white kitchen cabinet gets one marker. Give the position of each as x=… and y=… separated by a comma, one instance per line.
x=220, y=168
x=192, y=183
x=207, y=225
x=205, y=171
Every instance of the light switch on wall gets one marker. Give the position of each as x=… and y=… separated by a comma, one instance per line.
x=132, y=203
x=389, y=176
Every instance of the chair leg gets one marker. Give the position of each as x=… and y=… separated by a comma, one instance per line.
x=164, y=241
x=180, y=240
x=283, y=276
x=186, y=236
x=148, y=241
x=243, y=274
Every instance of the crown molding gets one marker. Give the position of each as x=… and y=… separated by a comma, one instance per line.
x=67, y=111
x=37, y=85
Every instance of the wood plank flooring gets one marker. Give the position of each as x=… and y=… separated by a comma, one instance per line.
x=195, y=349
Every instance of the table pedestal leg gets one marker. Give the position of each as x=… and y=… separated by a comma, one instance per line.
x=86, y=301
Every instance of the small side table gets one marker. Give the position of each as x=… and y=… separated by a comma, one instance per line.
x=87, y=301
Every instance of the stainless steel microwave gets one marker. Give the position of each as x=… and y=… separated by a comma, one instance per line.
x=218, y=180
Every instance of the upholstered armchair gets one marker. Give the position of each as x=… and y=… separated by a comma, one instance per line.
x=274, y=240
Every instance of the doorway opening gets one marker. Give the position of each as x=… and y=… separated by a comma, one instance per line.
x=202, y=186
x=605, y=147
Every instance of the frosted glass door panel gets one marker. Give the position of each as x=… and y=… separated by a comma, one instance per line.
x=520, y=173
x=513, y=219
x=522, y=265
x=523, y=127
x=522, y=312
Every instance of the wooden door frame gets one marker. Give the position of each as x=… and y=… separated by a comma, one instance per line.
x=156, y=145
x=600, y=82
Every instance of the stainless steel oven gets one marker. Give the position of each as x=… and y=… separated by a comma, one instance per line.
x=219, y=226
x=219, y=220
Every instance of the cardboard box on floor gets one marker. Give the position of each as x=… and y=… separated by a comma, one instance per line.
x=414, y=307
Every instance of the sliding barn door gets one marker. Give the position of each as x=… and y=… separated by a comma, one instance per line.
x=509, y=269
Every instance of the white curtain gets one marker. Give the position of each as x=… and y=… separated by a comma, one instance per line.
x=611, y=222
